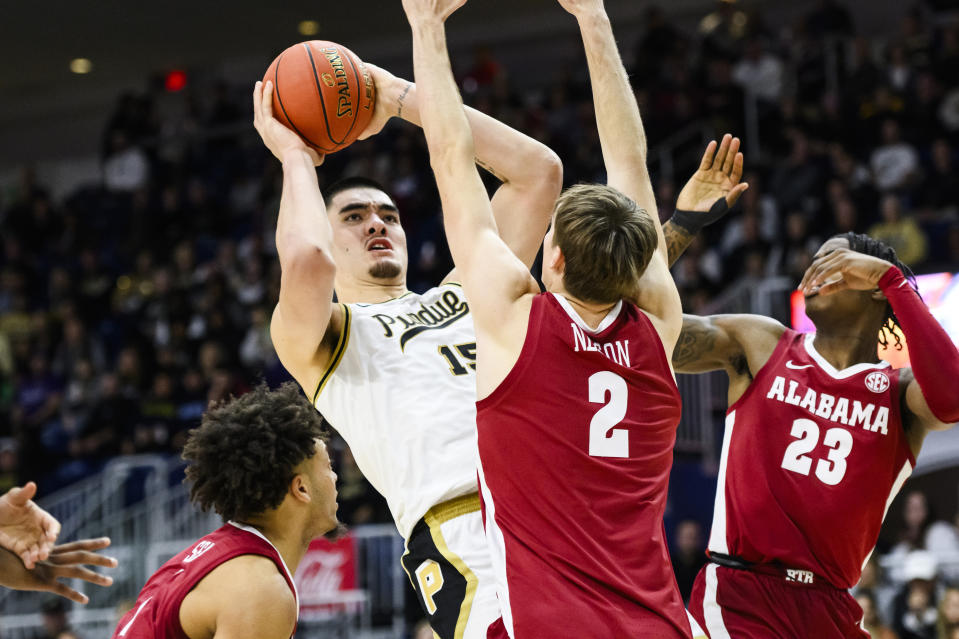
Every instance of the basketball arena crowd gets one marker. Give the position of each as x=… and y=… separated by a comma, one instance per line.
x=129, y=305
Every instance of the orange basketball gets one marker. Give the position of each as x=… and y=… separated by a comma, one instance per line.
x=323, y=92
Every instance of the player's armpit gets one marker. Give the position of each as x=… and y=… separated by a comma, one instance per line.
x=657, y=296
x=916, y=404
x=303, y=353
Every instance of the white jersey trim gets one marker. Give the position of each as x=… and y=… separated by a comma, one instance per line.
x=286, y=569
x=497, y=548
x=829, y=368
x=712, y=612
x=603, y=325
x=717, y=534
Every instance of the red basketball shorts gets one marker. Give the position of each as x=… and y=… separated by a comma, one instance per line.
x=730, y=603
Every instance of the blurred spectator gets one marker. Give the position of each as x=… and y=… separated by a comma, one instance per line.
x=881, y=592
x=760, y=72
x=914, y=610
x=940, y=189
x=829, y=18
x=724, y=29
x=870, y=617
x=948, y=623
x=659, y=41
x=256, y=349
x=688, y=555
x=54, y=615
x=358, y=502
x=75, y=346
x=794, y=256
x=895, y=163
x=126, y=167
x=899, y=232
x=796, y=181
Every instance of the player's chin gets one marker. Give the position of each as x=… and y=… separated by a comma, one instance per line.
x=386, y=268
x=337, y=531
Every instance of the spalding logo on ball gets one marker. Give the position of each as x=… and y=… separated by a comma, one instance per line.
x=323, y=92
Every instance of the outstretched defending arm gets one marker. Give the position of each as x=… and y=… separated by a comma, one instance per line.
x=492, y=276
x=304, y=244
x=707, y=196
x=66, y=561
x=623, y=142
x=531, y=174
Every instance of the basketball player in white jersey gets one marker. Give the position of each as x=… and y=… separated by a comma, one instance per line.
x=392, y=370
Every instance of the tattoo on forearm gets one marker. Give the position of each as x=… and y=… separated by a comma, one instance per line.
x=677, y=240
x=399, y=108
x=489, y=168
x=696, y=339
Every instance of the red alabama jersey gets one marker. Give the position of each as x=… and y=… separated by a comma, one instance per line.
x=812, y=457
x=156, y=614
x=575, y=448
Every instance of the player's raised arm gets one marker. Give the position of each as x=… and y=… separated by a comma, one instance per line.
x=530, y=172
x=303, y=241
x=623, y=142
x=930, y=390
x=707, y=196
x=492, y=276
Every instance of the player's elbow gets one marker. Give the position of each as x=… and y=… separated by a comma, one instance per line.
x=549, y=169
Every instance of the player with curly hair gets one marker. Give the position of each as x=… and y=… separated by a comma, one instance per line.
x=820, y=436
x=260, y=462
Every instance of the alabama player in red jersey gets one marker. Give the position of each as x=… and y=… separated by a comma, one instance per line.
x=260, y=461
x=820, y=436
x=577, y=407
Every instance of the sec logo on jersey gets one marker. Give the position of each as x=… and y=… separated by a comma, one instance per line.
x=877, y=382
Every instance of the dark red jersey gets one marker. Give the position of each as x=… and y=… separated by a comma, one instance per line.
x=812, y=457
x=576, y=446
x=156, y=614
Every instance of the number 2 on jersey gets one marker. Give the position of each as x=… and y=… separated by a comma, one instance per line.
x=831, y=470
x=604, y=439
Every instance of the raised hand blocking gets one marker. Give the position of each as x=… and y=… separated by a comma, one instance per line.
x=718, y=176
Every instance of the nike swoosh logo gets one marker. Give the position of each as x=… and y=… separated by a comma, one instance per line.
x=789, y=364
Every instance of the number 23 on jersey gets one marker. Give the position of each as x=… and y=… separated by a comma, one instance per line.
x=830, y=470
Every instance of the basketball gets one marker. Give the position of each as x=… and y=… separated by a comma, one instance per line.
x=323, y=92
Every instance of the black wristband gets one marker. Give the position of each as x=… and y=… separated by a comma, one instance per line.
x=693, y=221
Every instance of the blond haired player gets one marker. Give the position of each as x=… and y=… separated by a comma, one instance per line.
x=577, y=406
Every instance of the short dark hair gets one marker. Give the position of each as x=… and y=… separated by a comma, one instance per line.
x=354, y=182
x=243, y=455
x=606, y=240
x=862, y=243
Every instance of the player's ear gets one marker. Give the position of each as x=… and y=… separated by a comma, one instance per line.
x=557, y=261
x=878, y=296
x=300, y=488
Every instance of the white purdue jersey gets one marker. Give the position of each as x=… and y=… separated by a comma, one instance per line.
x=401, y=391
